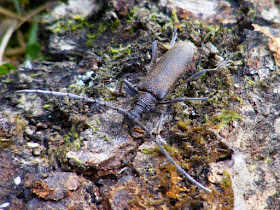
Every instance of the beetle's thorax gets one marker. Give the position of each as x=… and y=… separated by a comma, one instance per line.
x=145, y=103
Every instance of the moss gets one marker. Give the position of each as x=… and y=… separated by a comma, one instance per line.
x=75, y=159
x=106, y=138
x=227, y=195
x=175, y=191
x=263, y=84
x=149, y=151
x=115, y=24
x=79, y=18
x=226, y=179
x=5, y=142
x=268, y=160
x=183, y=125
x=77, y=144
x=121, y=51
x=223, y=118
x=252, y=13
x=47, y=106
x=224, y=197
x=20, y=125
x=174, y=18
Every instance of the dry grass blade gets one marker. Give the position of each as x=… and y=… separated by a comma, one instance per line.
x=10, y=14
x=34, y=12
x=6, y=38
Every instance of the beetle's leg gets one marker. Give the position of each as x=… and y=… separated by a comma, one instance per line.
x=128, y=87
x=176, y=100
x=154, y=53
x=171, y=160
x=153, y=62
x=195, y=76
x=159, y=125
x=70, y=95
x=174, y=36
x=198, y=74
x=158, y=129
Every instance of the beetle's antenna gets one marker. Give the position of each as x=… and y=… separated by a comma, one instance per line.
x=171, y=160
x=74, y=96
x=174, y=36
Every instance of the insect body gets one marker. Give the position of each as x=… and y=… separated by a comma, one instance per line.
x=152, y=90
x=164, y=75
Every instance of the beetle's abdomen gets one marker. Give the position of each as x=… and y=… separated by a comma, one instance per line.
x=168, y=70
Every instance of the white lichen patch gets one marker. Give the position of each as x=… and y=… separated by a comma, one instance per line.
x=277, y=125
x=32, y=145
x=31, y=106
x=241, y=180
x=198, y=7
x=4, y=205
x=17, y=180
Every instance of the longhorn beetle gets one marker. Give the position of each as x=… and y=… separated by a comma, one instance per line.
x=152, y=90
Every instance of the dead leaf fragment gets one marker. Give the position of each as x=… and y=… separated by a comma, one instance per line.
x=273, y=45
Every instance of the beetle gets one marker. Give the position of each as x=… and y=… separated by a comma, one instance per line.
x=152, y=89
x=162, y=79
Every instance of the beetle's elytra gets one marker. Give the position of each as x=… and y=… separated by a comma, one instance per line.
x=168, y=70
